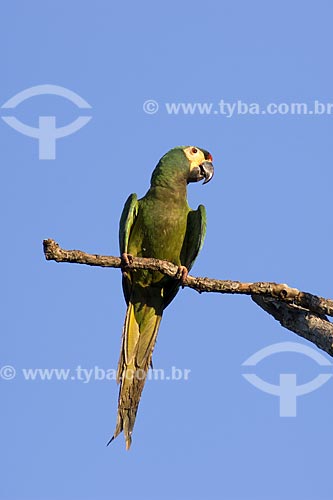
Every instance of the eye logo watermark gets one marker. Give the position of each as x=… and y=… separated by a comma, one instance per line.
x=47, y=133
x=287, y=390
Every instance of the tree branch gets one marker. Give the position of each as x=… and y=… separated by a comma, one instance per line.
x=300, y=312
x=310, y=326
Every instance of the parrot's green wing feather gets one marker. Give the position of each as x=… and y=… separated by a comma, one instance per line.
x=193, y=241
x=143, y=316
x=126, y=224
x=127, y=219
x=195, y=235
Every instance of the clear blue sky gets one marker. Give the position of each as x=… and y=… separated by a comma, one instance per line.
x=213, y=436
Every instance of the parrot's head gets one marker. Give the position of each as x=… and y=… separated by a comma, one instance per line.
x=200, y=164
x=184, y=164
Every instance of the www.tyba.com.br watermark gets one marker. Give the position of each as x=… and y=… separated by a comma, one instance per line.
x=231, y=109
x=87, y=375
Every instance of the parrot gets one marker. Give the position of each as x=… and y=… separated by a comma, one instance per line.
x=160, y=225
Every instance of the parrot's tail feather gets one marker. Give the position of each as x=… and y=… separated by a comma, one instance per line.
x=138, y=341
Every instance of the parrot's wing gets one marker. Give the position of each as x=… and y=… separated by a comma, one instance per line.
x=195, y=235
x=127, y=220
x=193, y=241
x=128, y=216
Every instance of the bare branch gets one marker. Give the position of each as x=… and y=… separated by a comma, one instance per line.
x=290, y=295
x=300, y=312
x=315, y=328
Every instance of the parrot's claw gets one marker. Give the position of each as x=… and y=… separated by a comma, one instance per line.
x=182, y=274
x=126, y=259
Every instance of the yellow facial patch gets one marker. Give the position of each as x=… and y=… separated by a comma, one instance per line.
x=194, y=155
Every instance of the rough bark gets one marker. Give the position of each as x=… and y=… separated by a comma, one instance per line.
x=313, y=327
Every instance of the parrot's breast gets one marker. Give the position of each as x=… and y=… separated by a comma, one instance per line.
x=160, y=228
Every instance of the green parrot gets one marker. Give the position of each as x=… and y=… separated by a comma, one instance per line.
x=163, y=226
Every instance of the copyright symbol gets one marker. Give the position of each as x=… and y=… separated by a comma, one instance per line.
x=150, y=107
x=7, y=372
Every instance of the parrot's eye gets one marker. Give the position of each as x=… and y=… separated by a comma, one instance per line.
x=194, y=151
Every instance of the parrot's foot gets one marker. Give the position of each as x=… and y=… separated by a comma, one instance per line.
x=182, y=274
x=126, y=259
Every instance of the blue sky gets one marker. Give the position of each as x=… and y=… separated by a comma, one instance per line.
x=213, y=436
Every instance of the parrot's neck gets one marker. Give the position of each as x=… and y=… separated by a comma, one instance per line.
x=170, y=177
x=169, y=193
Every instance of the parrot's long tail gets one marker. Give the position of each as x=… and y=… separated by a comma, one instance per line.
x=138, y=341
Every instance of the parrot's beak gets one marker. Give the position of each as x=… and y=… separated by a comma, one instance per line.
x=207, y=171
x=203, y=171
